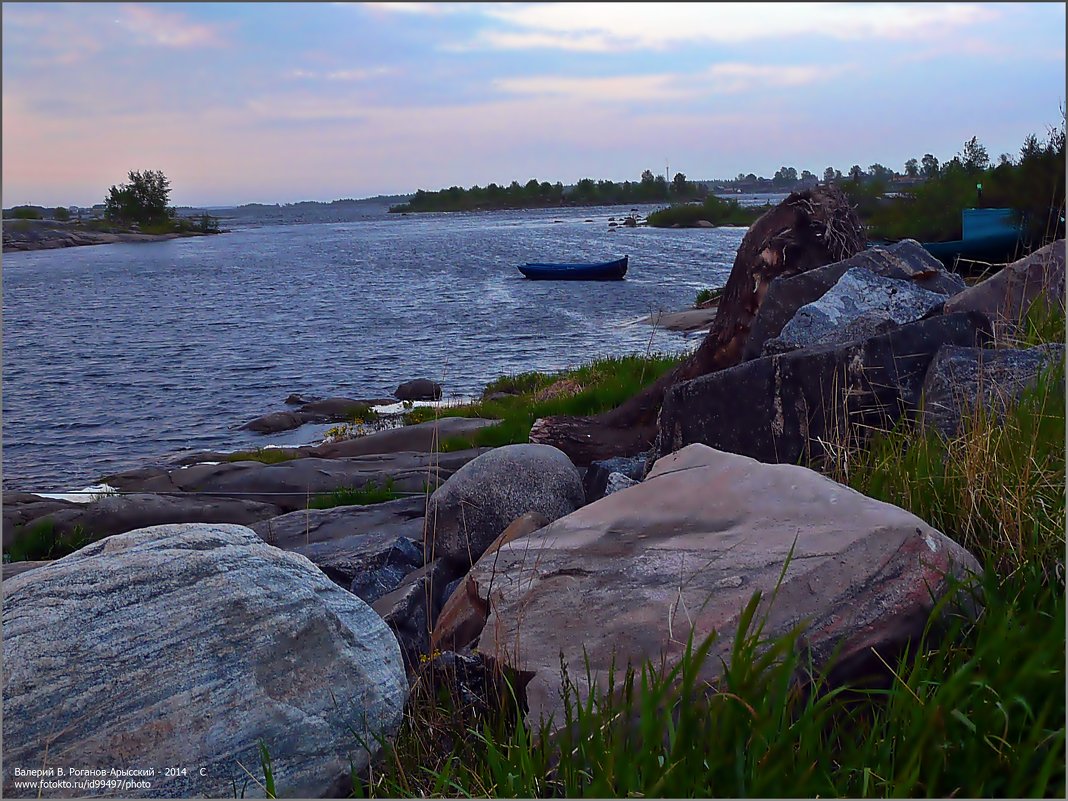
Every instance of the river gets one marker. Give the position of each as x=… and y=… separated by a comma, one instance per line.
x=115, y=355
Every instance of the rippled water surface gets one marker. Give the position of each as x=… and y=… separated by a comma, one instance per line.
x=118, y=354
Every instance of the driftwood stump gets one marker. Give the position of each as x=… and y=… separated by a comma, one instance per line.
x=807, y=230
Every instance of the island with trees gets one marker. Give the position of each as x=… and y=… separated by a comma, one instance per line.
x=138, y=210
x=534, y=195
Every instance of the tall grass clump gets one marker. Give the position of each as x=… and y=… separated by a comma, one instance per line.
x=42, y=540
x=976, y=710
x=590, y=389
x=998, y=486
x=264, y=455
x=368, y=494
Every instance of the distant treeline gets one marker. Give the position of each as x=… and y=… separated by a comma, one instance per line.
x=1032, y=183
x=587, y=192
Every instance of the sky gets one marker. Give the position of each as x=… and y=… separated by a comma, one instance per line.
x=283, y=102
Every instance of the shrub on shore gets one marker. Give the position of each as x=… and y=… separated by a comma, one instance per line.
x=714, y=209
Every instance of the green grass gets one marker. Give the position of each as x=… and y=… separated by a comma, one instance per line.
x=265, y=455
x=707, y=295
x=357, y=496
x=978, y=711
x=42, y=541
x=601, y=385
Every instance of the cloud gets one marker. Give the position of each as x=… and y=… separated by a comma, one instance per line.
x=166, y=28
x=615, y=89
x=726, y=78
x=48, y=39
x=431, y=9
x=659, y=26
x=341, y=75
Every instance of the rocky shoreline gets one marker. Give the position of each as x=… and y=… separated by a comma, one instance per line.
x=40, y=237
x=514, y=556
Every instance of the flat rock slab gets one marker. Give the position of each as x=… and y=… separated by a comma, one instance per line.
x=425, y=437
x=325, y=410
x=783, y=408
x=115, y=514
x=290, y=485
x=960, y=379
x=12, y=569
x=905, y=260
x=687, y=321
x=187, y=646
x=627, y=578
x=350, y=542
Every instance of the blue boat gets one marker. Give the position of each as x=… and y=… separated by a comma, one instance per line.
x=988, y=235
x=595, y=271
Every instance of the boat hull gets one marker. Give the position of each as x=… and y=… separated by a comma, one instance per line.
x=599, y=271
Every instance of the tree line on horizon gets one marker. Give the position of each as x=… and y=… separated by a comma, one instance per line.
x=534, y=194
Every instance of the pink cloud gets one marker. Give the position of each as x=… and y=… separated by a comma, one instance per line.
x=167, y=28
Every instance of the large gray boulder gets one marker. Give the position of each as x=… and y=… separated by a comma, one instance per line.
x=472, y=508
x=628, y=578
x=860, y=305
x=788, y=407
x=186, y=646
x=961, y=379
x=906, y=260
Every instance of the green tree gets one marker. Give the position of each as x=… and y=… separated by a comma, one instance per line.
x=929, y=168
x=880, y=173
x=912, y=168
x=679, y=185
x=785, y=176
x=61, y=213
x=856, y=173
x=974, y=156
x=143, y=200
x=1030, y=148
